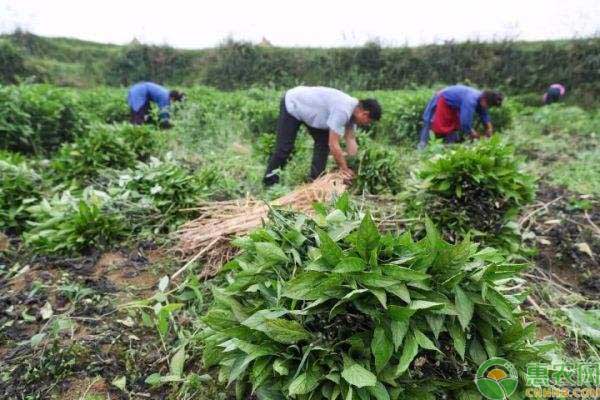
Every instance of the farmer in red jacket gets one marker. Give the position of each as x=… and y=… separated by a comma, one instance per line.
x=451, y=110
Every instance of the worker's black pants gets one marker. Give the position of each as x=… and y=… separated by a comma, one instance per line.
x=142, y=115
x=287, y=130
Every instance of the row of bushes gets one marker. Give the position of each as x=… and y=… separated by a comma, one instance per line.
x=516, y=66
x=106, y=185
x=38, y=118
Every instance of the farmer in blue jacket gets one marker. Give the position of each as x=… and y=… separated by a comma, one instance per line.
x=451, y=111
x=139, y=98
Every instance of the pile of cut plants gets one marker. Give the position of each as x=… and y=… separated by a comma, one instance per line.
x=328, y=307
x=477, y=189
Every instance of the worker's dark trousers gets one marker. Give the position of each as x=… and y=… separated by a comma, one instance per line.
x=142, y=115
x=287, y=130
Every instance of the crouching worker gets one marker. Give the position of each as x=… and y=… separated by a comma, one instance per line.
x=554, y=94
x=139, y=98
x=329, y=115
x=450, y=113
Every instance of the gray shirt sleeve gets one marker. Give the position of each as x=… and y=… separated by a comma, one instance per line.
x=337, y=122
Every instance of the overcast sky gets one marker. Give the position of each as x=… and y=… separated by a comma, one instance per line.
x=199, y=24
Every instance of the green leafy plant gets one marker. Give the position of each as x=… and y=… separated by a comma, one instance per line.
x=476, y=188
x=264, y=145
x=105, y=146
x=331, y=308
x=378, y=168
x=38, y=118
x=105, y=105
x=168, y=187
x=402, y=115
x=69, y=223
x=19, y=187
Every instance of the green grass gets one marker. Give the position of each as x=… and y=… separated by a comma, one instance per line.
x=580, y=175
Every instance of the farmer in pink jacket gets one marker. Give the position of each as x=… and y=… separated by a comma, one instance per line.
x=554, y=93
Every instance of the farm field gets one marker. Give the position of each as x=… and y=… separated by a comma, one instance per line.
x=495, y=249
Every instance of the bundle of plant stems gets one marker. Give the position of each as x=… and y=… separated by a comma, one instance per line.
x=330, y=308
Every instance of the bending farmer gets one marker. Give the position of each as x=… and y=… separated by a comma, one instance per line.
x=139, y=98
x=450, y=111
x=328, y=114
x=554, y=93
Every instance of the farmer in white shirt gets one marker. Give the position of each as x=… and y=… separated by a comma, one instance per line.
x=329, y=114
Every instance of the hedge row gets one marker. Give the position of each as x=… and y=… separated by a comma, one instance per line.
x=517, y=67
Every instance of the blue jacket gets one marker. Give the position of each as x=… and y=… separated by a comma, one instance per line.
x=462, y=97
x=143, y=92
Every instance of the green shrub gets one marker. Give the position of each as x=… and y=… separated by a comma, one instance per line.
x=38, y=118
x=105, y=105
x=330, y=308
x=105, y=146
x=12, y=63
x=378, y=168
x=474, y=188
x=264, y=145
x=168, y=187
x=12, y=157
x=402, y=116
x=260, y=116
x=139, y=62
x=501, y=117
x=70, y=223
x=19, y=187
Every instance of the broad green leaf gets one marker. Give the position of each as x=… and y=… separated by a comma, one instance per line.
x=400, y=291
x=398, y=313
x=382, y=348
x=350, y=264
x=423, y=341
x=409, y=352
x=343, y=202
x=399, y=329
x=261, y=371
x=436, y=323
x=403, y=273
x=585, y=322
x=271, y=252
x=477, y=352
x=330, y=251
x=380, y=295
x=120, y=382
x=153, y=379
x=356, y=375
x=362, y=393
x=177, y=362
x=375, y=280
x=423, y=305
x=311, y=285
x=304, y=383
x=464, y=307
x=379, y=391
x=367, y=237
x=286, y=331
x=335, y=217
x=500, y=304
x=257, y=321
x=280, y=366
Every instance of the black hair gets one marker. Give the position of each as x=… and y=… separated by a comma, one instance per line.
x=176, y=95
x=494, y=98
x=373, y=107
